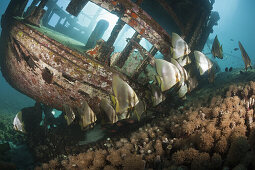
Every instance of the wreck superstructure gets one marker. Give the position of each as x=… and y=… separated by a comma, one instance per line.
x=51, y=72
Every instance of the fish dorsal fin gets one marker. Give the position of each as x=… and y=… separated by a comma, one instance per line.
x=180, y=47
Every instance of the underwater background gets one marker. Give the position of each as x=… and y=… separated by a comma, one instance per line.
x=236, y=24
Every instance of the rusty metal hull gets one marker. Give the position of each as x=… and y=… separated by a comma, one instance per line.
x=52, y=73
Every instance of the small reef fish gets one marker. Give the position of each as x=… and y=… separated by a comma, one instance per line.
x=246, y=58
x=168, y=74
x=226, y=69
x=203, y=62
x=217, y=48
x=124, y=96
x=180, y=47
x=235, y=49
x=230, y=69
x=18, y=124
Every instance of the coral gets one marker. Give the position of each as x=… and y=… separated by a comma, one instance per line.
x=45, y=166
x=178, y=157
x=221, y=146
x=205, y=142
x=201, y=162
x=53, y=164
x=216, y=161
x=99, y=159
x=188, y=128
x=237, y=151
x=229, y=103
x=240, y=167
x=185, y=156
x=158, y=147
x=190, y=155
x=217, y=134
x=133, y=162
x=210, y=128
x=109, y=167
x=238, y=131
x=216, y=112
x=207, y=111
x=114, y=158
x=192, y=116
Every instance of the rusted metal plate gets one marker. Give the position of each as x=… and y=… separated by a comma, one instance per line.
x=134, y=16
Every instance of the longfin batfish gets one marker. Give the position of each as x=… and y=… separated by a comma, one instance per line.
x=183, y=81
x=18, y=124
x=86, y=115
x=183, y=90
x=125, y=96
x=203, y=62
x=217, y=48
x=246, y=58
x=69, y=114
x=168, y=74
x=157, y=96
x=183, y=61
x=180, y=47
x=109, y=111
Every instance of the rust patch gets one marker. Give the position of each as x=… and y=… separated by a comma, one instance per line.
x=114, y=3
x=142, y=31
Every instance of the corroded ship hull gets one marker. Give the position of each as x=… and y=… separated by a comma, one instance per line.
x=51, y=73
x=56, y=75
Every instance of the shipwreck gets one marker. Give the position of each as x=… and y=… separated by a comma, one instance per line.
x=46, y=64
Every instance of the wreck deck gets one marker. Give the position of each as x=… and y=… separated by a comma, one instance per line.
x=61, y=38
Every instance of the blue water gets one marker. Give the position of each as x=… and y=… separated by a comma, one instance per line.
x=11, y=101
x=237, y=23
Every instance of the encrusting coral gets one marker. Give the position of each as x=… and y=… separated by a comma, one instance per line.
x=198, y=135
